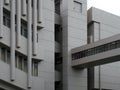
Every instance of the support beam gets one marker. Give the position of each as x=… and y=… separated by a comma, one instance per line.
x=1, y=18
x=29, y=41
x=40, y=7
x=24, y=8
x=12, y=40
x=34, y=27
x=18, y=12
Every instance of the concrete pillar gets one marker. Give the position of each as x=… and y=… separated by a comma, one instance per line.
x=40, y=11
x=24, y=8
x=1, y=18
x=91, y=71
x=76, y=24
x=18, y=12
x=6, y=2
x=12, y=39
x=29, y=41
x=34, y=27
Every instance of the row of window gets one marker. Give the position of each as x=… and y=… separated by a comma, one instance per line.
x=20, y=61
x=96, y=50
x=6, y=22
x=6, y=19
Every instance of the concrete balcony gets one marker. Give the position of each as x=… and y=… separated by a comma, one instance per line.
x=97, y=53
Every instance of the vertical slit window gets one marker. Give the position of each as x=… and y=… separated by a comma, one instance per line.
x=6, y=18
x=8, y=56
x=16, y=61
x=3, y=54
x=37, y=37
x=20, y=62
x=35, y=68
x=24, y=29
x=25, y=65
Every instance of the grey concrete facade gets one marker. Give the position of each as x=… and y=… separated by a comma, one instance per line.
x=104, y=25
x=74, y=23
x=38, y=38
x=28, y=39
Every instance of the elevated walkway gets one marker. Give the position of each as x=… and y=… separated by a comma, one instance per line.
x=97, y=53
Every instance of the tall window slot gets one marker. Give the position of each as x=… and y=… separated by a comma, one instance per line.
x=3, y=54
x=35, y=68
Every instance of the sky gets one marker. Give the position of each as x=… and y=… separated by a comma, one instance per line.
x=112, y=6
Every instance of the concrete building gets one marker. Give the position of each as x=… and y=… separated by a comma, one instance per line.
x=27, y=44
x=58, y=45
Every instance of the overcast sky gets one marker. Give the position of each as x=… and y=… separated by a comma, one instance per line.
x=112, y=6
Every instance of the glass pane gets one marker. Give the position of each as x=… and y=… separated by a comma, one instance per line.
x=8, y=57
x=36, y=69
x=20, y=62
x=25, y=65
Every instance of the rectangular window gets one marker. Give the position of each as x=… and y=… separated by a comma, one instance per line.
x=3, y=54
x=77, y=6
x=6, y=18
x=16, y=61
x=24, y=29
x=25, y=65
x=8, y=56
x=37, y=37
x=35, y=68
x=20, y=62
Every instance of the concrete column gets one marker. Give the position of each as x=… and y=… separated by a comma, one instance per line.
x=18, y=2
x=24, y=8
x=6, y=2
x=29, y=41
x=91, y=71
x=12, y=39
x=40, y=11
x=34, y=27
x=1, y=18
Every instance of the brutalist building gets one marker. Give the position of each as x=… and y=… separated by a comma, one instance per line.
x=58, y=45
